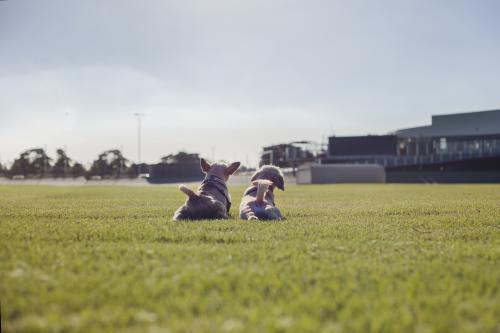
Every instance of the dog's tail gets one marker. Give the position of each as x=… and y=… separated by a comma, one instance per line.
x=187, y=191
x=262, y=186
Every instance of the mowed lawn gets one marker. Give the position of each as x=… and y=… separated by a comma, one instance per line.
x=348, y=258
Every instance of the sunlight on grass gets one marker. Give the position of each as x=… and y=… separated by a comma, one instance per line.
x=355, y=258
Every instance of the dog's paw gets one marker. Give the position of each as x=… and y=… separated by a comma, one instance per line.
x=252, y=217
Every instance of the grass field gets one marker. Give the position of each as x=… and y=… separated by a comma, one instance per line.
x=349, y=258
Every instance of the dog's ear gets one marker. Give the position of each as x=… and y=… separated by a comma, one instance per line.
x=255, y=175
x=205, y=167
x=279, y=182
x=232, y=168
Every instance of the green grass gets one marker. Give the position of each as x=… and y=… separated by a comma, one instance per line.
x=348, y=258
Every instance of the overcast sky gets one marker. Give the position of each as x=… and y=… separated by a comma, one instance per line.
x=236, y=75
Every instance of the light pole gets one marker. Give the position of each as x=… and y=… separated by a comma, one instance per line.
x=66, y=116
x=65, y=147
x=139, y=115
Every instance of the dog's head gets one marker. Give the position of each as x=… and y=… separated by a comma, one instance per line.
x=272, y=173
x=220, y=170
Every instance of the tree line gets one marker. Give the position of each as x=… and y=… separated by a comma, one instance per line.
x=35, y=163
x=111, y=164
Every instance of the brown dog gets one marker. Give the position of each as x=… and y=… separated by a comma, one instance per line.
x=212, y=199
x=258, y=200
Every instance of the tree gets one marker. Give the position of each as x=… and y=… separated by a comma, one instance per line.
x=181, y=158
x=133, y=171
x=77, y=170
x=21, y=165
x=31, y=163
x=109, y=164
x=62, y=166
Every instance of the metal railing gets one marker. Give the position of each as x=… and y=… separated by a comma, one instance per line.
x=416, y=159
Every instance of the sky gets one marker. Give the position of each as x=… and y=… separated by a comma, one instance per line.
x=225, y=78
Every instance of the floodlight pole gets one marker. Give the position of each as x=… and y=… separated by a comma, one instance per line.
x=139, y=115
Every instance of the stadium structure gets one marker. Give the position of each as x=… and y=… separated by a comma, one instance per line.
x=292, y=154
x=462, y=147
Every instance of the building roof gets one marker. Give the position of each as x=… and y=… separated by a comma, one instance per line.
x=457, y=124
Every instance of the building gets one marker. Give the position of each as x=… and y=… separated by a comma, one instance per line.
x=462, y=147
x=161, y=173
x=340, y=173
x=173, y=168
x=291, y=154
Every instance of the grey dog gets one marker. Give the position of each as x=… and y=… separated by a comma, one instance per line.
x=258, y=200
x=212, y=199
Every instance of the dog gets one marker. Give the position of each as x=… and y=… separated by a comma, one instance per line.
x=258, y=200
x=212, y=199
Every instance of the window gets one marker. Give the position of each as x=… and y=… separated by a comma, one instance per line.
x=402, y=149
x=442, y=144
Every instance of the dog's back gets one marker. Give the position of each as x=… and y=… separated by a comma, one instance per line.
x=201, y=207
x=258, y=202
x=212, y=199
